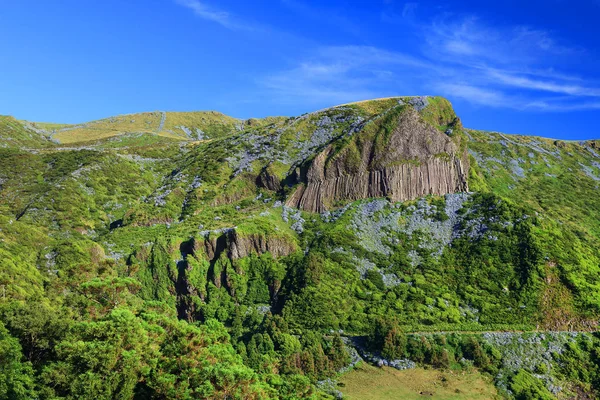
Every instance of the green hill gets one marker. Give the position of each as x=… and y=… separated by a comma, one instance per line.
x=195, y=255
x=154, y=126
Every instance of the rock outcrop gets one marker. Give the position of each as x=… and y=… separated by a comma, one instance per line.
x=243, y=245
x=237, y=245
x=268, y=179
x=400, y=156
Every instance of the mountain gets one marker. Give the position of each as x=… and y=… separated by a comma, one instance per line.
x=195, y=255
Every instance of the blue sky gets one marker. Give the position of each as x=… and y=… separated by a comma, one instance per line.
x=527, y=67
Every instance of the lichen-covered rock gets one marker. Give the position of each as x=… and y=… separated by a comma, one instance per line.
x=403, y=158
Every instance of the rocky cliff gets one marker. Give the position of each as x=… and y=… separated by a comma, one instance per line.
x=399, y=156
x=237, y=245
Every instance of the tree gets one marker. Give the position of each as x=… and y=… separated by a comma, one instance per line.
x=199, y=362
x=394, y=345
x=16, y=377
x=388, y=337
x=104, y=295
x=159, y=275
x=417, y=350
x=237, y=327
x=37, y=326
x=440, y=357
x=338, y=354
x=474, y=351
x=103, y=359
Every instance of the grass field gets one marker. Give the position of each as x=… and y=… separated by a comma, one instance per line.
x=366, y=382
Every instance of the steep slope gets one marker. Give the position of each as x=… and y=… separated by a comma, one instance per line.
x=552, y=176
x=558, y=181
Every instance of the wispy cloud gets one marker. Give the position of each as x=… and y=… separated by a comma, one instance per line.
x=507, y=66
x=461, y=58
x=498, y=98
x=562, y=107
x=409, y=9
x=561, y=87
x=476, y=94
x=220, y=17
x=394, y=13
x=474, y=41
x=341, y=74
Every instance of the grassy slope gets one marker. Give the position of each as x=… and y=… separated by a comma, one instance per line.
x=553, y=177
x=14, y=133
x=369, y=383
x=196, y=125
x=113, y=126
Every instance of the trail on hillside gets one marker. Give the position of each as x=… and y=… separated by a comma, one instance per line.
x=498, y=331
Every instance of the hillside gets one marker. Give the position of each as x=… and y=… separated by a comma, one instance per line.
x=148, y=127
x=194, y=255
x=15, y=133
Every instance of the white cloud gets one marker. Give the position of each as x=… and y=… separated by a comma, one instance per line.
x=562, y=87
x=510, y=66
x=489, y=96
x=208, y=13
x=542, y=105
x=474, y=94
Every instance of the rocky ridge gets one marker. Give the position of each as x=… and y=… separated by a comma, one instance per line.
x=414, y=160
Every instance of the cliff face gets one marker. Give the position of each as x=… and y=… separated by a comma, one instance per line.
x=399, y=156
x=238, y=246
x=243, y=245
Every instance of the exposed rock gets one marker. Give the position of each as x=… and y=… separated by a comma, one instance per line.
x=268, y=180
x=163, y=118
x=419, y=102
x=243, y=245
x=294, y=217
x=589, y=171
x=415, y=160
x=187, y=131
x=238, y=245
x=211, y=246
x=358, y=343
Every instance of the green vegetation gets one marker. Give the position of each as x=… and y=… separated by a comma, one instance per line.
x=370, y=383
x=151, y=256
x=15, y=134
